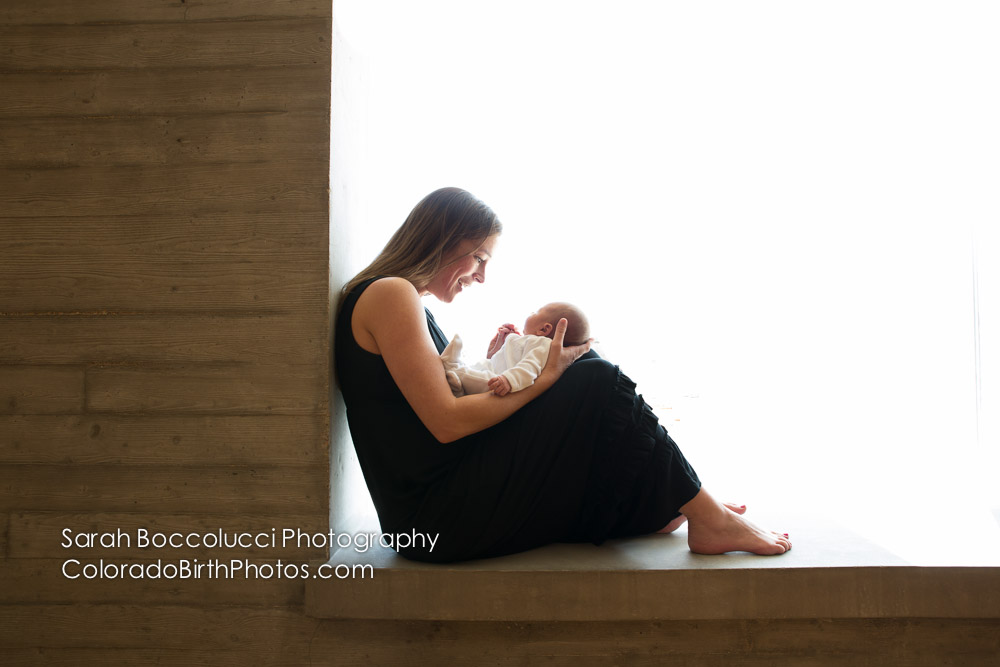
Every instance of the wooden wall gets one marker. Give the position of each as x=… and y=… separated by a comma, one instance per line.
x=163, y=317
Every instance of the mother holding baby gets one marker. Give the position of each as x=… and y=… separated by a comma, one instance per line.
x=576, y=456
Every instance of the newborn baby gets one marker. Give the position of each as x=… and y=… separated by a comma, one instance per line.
x=514, y=360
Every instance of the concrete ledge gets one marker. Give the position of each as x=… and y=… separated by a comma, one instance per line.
x=830, y=573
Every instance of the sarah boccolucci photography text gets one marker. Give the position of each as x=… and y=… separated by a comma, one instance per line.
x=222, y=540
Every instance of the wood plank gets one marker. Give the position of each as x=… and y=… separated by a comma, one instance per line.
x=490, y=652
x=159, y=92
x=295, y=187
x=166, y=45
x=32, y=143
x=4, y=531
x=111, y=440
x=844, y=642
x=193, y=237
x=41, y=581
x=82, y=286
x=150, y=626
x=34, y=535
x=58, y=12
x=915, y=643
x=221, y=262
x=161, y=490
x=26, y=390
x=112, y=337
x=231, y=389
x=624, y=593
x=289, y=656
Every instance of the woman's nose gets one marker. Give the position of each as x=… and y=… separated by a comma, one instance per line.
x=480, y=275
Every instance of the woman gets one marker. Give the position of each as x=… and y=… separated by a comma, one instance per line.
x=577, y=456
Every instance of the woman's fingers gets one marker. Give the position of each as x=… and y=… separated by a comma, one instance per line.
x=557, y=354
x=561, y=358
x=560, y=335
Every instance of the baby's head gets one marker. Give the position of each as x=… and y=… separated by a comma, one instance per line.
x=543, y=322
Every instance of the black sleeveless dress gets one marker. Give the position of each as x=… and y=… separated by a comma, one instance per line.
x=584, y=462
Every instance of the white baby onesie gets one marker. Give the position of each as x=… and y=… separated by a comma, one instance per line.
x=520, y=360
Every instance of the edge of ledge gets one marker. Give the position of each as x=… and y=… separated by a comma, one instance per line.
x=442, y=593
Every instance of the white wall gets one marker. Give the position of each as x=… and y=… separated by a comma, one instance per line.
x=766, y=208
x=350, y=504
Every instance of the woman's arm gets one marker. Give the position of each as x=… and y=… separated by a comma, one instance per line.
x=389, y=320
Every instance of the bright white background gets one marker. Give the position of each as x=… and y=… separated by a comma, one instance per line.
x=769, y=210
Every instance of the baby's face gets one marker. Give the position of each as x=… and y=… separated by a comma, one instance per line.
x=535, y=324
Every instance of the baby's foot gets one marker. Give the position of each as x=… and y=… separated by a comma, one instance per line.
x=727, y=531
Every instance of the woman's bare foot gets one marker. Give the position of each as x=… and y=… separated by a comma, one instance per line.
x=715, y=528
x=679, y=521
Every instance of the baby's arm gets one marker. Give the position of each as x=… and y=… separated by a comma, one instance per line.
x=503, y=331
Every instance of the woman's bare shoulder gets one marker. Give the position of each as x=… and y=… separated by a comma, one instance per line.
x=387, y=294
x=386, y=305
x=392, y=284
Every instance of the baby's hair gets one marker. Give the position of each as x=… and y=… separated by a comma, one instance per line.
x=578, y=329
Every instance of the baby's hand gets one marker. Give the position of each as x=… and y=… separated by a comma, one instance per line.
x=503, y=331
x=499, y=385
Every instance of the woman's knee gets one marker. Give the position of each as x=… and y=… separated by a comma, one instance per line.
x=597, y=369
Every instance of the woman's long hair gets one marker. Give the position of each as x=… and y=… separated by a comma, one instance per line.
x=442, y=220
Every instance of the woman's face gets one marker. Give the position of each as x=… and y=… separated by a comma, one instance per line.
x=464, y=266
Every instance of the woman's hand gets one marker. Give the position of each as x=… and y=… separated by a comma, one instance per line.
x=561, y=358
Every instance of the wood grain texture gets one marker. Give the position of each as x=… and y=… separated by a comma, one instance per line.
x=139, y=338
x=226, y=262
x=563, y=655
x=164, y=91
x=186, y=237
x=915, y=643
x=73, y=141
x=28, y=390
x=298, y=188
x=189, y=237
x=152, y=626
x=41, y=581
x=230, y=389
x=245, y=287
x=182, y=489
x=35, y=535
x=164, y=232
x=165, y=45
x=288, y=656
x=74, y=12
x=715, y=643
x=112, y=440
